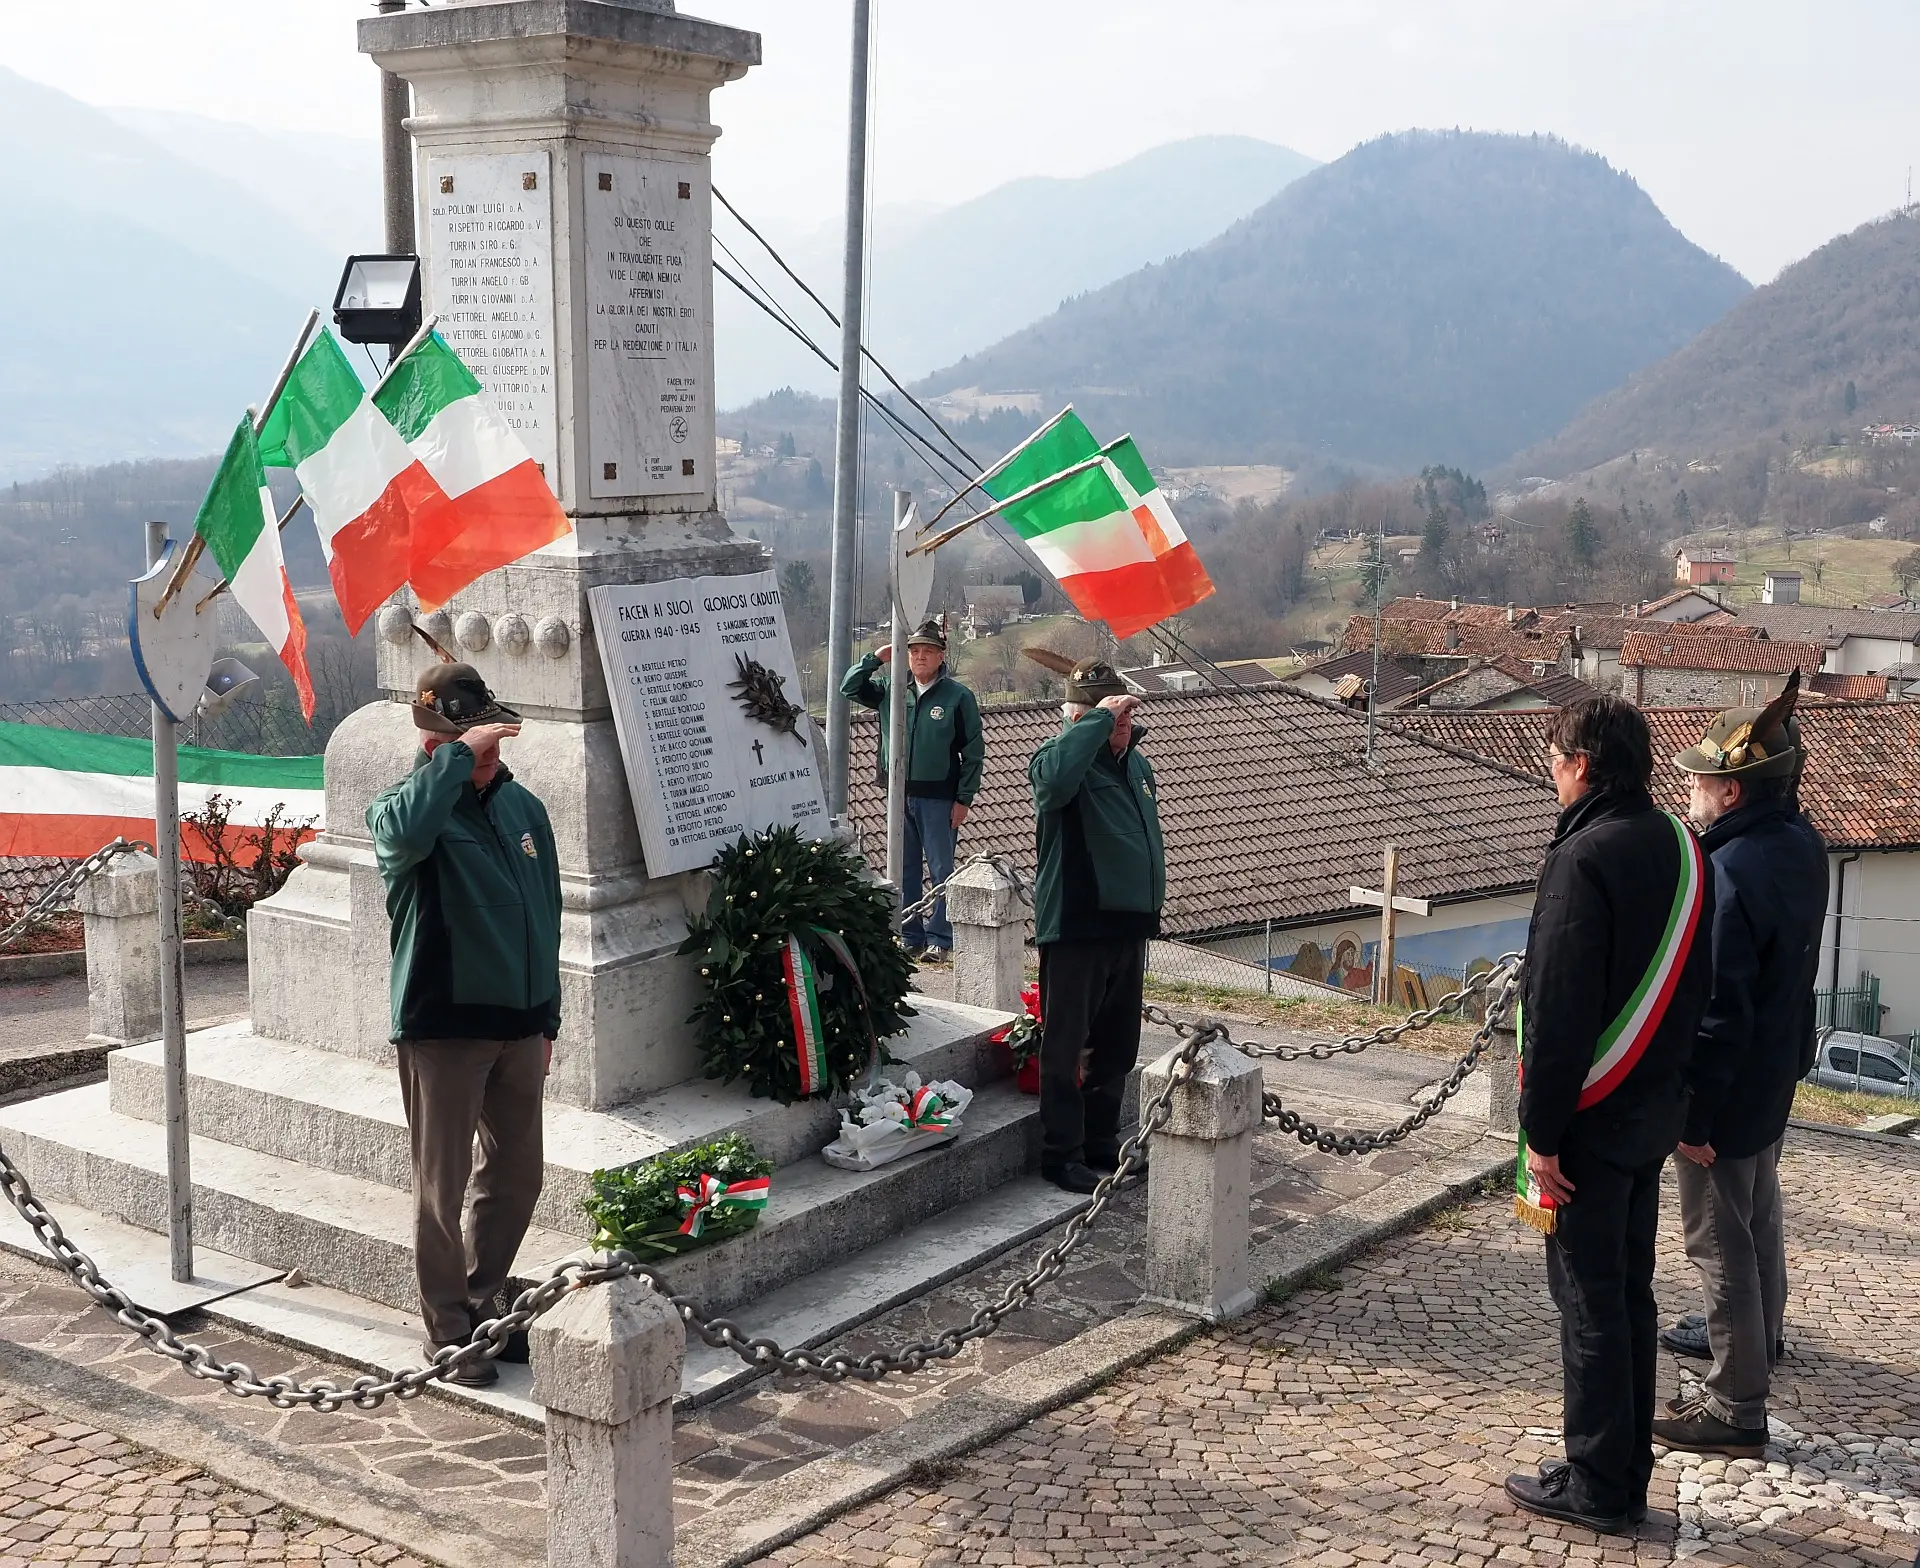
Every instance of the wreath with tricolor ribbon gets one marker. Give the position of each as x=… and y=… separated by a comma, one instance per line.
x=800, y=974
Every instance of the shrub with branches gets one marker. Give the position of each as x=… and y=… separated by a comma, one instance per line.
x=246, y=864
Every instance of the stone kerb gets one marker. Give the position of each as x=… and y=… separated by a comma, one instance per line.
x=119, y=908
x=1503, y=1081
x=606, y=1364
x=1200, y=1184
x=989, y=938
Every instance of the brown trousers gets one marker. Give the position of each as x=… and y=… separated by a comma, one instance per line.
x=453, y=1089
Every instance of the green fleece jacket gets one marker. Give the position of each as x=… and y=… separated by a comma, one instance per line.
x=473, y=891
x=1102, y=864
x=946, y=742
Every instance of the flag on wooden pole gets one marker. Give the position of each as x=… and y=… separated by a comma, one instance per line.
x=370, y=496
x=501, y=505
x=242, y=533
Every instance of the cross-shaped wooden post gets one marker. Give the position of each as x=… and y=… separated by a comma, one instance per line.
x=1384, y=899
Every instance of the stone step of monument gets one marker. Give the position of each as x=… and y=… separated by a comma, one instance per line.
x=337, y=1230
x=342, y=1114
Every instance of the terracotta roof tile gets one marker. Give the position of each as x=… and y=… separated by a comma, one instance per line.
x=1861, y=788
x=1268, y=807
x=1850, y=688
x=1657, y=650
x=1821, y=623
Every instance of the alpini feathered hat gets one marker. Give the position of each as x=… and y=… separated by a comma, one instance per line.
x=1088, y=680
x=1753, y=743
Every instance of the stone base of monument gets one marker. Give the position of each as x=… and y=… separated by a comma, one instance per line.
x=300, y=1161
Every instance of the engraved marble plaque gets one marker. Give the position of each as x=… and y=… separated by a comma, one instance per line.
x=649, y=358
x=701, y=768
x=489, y=239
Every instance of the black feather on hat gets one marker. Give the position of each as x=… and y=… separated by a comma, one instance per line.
x=1755, y=743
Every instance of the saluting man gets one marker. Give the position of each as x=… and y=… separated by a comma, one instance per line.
x=946, y=751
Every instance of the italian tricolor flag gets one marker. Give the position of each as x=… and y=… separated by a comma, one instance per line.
x=65, y=794
x=501, y=503
x=242, y=533
x=1096, y=519
x=370, y=496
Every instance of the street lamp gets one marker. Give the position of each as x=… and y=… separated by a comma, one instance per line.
x=378, y=300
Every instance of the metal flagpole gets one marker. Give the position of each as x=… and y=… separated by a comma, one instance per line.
x=846, y=473
x=173, y=973
x=898, y=675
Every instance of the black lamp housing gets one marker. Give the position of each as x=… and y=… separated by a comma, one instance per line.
x=378, y=300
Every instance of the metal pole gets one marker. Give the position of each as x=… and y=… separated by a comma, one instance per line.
x=898, y=675
x=846, y=469
x=1269, y=958
x=173, y=974
x=1373, y=686
x=396, y=153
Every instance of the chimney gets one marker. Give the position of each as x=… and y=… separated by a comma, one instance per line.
x=1509, y=613
x=1453, y=638
x=1454, y=603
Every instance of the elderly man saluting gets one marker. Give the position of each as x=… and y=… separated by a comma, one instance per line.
x=1101, y=881
x=473, y=890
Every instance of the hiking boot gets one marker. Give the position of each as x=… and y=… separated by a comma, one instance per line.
x=1074, y=1176
x=1695, y=1429
x=473, y=1374
x=1550, y=1468
x=1550, y=1496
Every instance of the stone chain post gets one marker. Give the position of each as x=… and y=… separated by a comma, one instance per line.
x=606, y=1364
x=1503, y=1081
x=119, y=907
x=989, y=938
x=1200, y=1184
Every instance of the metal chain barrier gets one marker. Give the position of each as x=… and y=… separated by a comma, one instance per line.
x=923, y=905
x=68, y=884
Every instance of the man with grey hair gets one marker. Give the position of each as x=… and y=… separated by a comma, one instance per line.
x=1100, y=882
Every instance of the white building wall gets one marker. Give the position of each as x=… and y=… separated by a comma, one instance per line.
x=1877, y=932
x=1869, y=655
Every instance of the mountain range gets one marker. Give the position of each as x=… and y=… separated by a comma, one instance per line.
x=1431, y=297
x=1783, y=360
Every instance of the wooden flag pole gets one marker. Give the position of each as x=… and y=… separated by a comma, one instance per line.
x=1000, y=506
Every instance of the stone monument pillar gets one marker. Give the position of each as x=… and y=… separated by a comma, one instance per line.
x=565, y=221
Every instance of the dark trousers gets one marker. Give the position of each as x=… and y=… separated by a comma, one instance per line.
x=1089, y=1042
x=453, y=1089
x=1600, y=1270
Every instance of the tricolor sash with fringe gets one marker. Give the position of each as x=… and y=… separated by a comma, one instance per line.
x=803, y=1001
x=707, y=1196
x=1624, y=1041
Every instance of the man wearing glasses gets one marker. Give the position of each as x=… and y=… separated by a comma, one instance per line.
x=1617, y=976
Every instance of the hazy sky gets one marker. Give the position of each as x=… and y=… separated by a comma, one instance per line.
x=1761, y=127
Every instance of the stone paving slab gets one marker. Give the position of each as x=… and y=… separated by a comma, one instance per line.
x=1371, y=1422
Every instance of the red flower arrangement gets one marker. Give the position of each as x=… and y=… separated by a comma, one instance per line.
x=1022, y=1040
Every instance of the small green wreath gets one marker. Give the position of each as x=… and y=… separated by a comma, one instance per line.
x=766, y=888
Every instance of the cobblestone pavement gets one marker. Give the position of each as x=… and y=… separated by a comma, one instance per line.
x=70, y=1493
x=1371, y=1422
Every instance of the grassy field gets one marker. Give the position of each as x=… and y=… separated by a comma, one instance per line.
x=1842, y=1109
x=1851, y=571
x=1329, y=1018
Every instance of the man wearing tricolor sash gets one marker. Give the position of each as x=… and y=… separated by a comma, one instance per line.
x=1617, y=974
x=1756, y=1041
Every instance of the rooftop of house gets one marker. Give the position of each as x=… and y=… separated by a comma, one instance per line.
x=1659, y=650
x=1849, y=688
x=1175, y=676
x=1824, y=624
x=1398, y=677
x=996, y=596
x=1610, y=631
x=1268, y=807
x=1704, y=556
x=1861, y=788
x=1473, y=628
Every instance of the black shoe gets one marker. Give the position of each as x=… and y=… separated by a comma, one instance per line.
x=1105, y=1160
x=1072, y=1177
x=473, y=1374
x=516, y=1352
x=1552, y=1469
x=1688, y=1337
x=1695, y=1429
x=1546, y=1495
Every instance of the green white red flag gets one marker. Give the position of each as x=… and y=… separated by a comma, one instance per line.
x=1096, y=519
x=242, y=533
x=370, y=496
x=65, y=794
x=501, y=505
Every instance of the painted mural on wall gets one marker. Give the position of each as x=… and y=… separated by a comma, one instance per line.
x=1426, y=964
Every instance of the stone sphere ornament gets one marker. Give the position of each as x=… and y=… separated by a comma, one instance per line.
x=551, y=637
x=473, y=631
x=396, y=624
x=438, y=625
x=513, y=634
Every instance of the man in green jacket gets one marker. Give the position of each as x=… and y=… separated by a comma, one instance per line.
x=473, y=891
x=946, y=749
x=1102, y=877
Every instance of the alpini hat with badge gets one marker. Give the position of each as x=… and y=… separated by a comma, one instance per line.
x=928, y=635
x=1754, y=743
x=449, y=699
x=1088, y=680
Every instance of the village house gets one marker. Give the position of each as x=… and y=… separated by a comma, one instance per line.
x=1165, y=674
x=1780, y=588
x=1271, y=818
x=991, y=606
x=1700, y=565
x=1861, y=790
x=1857, y=642
x=1665, y=669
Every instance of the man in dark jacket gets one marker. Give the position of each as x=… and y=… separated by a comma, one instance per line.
x=1616, y=979
x=946, y=750
x=1100, y=882
x=473, y=890
x=1755, y=1043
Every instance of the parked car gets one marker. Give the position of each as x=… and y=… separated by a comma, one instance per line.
x=1866, y=1064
